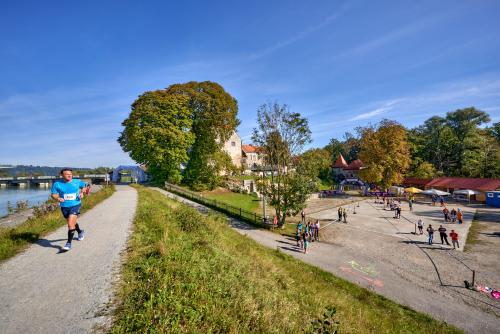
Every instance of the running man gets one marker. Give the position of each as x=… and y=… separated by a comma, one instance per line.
x=69, y=192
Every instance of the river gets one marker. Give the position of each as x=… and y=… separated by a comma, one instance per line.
x=34, y=196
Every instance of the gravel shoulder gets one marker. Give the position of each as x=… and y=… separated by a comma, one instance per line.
x=45, y=291
x=385, y=259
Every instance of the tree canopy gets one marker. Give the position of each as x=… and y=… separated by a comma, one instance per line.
x=385, y=153
x=182, y=125
x=157, y=133
x=214, y=116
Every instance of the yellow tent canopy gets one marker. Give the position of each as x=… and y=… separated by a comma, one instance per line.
x=413, y=190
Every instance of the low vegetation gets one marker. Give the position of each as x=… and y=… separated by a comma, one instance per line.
x=15, y=239
x=473, y=235
x=188, y=273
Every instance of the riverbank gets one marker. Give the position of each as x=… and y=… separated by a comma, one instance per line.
x=15, y=239
x=18, y=218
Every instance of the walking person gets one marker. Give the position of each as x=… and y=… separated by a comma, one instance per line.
x=297, y=237
x=303, y=215
x=443, y=235
x=69, y=192
x=441, y=200
x=420, y=225
x=454, y=239
x=340, y=213
x=446, y=214
x=460, y=216
x=453, y=214
x=433, y=198
x=344, y=214
x=305, y=240
x=410, y=204
x=430, y=232
x=398, y=211
x=317, y=230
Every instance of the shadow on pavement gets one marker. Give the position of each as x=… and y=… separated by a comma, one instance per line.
x=240, y=225
x=298, y=250
x=48, y=243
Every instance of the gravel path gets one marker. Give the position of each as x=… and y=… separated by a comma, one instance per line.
x=351, y=258
x=44, y=291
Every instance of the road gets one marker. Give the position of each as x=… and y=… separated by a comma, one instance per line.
x=45, y=291
x=365, y=269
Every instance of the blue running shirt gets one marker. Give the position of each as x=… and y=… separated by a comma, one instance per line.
x=70, y=191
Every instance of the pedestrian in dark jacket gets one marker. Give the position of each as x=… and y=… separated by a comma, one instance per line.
x=442, y=234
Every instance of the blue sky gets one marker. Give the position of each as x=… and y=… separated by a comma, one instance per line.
x=70, y=70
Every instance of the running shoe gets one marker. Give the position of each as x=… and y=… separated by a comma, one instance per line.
x=81, y=236
x=67, y=247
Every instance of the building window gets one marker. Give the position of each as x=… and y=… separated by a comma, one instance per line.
x=233, y=143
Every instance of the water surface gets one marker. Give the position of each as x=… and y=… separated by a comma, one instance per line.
x=33, y=195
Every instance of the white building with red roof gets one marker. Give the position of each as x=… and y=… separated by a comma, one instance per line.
x=342, y=170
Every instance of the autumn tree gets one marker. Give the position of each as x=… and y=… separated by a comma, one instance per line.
x=157, y=133
x=384, y=152
x=214, y=119
x=282, y=135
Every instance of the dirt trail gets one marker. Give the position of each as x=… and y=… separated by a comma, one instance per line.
x=44, y=291
x=366, y=268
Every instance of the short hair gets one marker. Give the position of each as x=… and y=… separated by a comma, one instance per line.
x=65, y=170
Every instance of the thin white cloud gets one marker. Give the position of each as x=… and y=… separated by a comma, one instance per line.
x=385, y=108
x=309, y=30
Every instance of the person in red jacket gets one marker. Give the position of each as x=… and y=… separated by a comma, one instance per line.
x=454, y=239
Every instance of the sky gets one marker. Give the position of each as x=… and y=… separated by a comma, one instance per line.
x=69, y=70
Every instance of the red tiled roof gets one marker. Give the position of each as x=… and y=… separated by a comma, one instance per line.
x=465, y=183
x=250, y=149
x=340, y=163
x=415, y=181
x=355, y=165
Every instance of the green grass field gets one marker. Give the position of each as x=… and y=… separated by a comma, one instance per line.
x=248, y=202
x=188, y=273
x=15, y=239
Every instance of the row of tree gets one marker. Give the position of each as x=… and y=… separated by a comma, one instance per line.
x=455, y=145
x=179, y=132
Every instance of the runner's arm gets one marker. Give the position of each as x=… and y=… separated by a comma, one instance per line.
x=55, y=194
x=57, y=198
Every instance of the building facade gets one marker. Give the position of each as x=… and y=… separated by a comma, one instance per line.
x=233, y=147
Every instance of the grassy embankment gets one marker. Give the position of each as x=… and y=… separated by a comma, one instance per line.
x=189, y=273
x=473, y=235
x=15, y=239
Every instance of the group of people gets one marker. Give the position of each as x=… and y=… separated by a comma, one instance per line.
x=435, y=198
x=453, y=215
x=307, y=233
x=442, y=234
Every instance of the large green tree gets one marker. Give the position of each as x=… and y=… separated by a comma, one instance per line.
x=214, y=119
x=316, y=163
x=282, y=135
x=157, y=133
x=464, y=124
x=385, y=153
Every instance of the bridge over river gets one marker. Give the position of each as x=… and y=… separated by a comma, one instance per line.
x=43, y=181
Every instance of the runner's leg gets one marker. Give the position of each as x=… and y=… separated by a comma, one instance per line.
x=71, y=227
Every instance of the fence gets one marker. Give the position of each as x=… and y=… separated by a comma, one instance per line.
x=233, y=211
